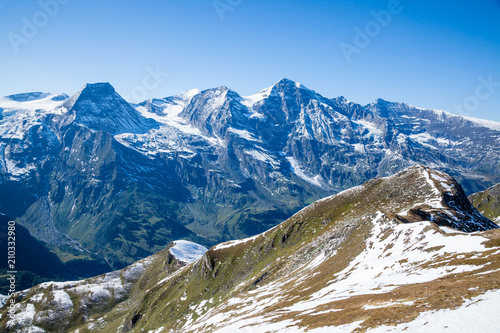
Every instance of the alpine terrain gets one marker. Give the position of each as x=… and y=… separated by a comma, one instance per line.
x=400, y=253
x=101, y=183
x=488, y=202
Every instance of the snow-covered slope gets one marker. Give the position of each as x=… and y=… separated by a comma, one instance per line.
x=186, y=251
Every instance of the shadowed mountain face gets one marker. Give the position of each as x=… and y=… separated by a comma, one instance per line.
x=343, y=263
x=35, y=261
x=94, y=173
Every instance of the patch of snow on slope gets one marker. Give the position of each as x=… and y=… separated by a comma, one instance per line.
x=435, y=200
x=62, y=299
x=232, y=243
x=261, y=156
x=423, y=139
x=299, y=171
x=359, y=147
x=172, y=121
x=394, y=259
x=262, y=324
x=494, y=125
x=187, y=251
x=249, y=101
x=372, y=129
x=244, y=134
x=479, y=314
x=23, y=318
x=189, y=94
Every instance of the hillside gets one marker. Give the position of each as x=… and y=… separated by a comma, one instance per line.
x=381, y=255
x=487, y=202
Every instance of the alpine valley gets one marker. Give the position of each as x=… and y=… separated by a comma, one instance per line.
x=96, y=183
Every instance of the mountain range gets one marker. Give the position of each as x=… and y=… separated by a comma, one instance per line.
x=385, y=256
x=101, y=183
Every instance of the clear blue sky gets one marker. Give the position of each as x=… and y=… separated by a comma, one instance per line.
x=430, y=54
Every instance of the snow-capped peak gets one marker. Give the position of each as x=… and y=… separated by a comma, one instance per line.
x=99, y=107
x=26, y=97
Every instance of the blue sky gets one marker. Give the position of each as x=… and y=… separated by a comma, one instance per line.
x=443, y=55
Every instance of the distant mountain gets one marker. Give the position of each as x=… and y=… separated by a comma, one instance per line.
x=26, y=97
x=95, y=174
x=349, y=262
x=98, y=107
x=487, y=202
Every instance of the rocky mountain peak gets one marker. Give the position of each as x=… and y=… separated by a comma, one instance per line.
x=441, y=200
x=99, y=107
x=287, y=88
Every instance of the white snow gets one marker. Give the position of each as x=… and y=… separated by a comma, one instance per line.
x=3, y=300
x=359, y=147
x=169, y=137
x=244, y=134
x=249, y=101
x=63, y=299
x=479, y=315
x=24, y=317
x=427, y=140
x=371, y=127
x=189, y=94
x=45, y=103
x=494, y=125
x=395, y=260
x=187, y=251
x=300, y=172
x=232, y=243
x=262, y=156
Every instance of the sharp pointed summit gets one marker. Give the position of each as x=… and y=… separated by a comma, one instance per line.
x=99, y=107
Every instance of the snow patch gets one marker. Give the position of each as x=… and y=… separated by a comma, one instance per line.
x=187, y=251
x=479, y=314
x=371, y=127
x=300, y=172
x=244, y=134
x=395, y=260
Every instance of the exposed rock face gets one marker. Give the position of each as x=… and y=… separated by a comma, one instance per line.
x=344, y=262
x=98, y=107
